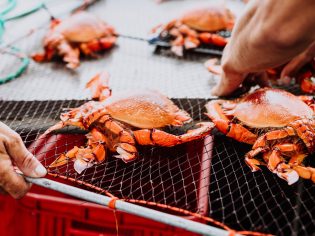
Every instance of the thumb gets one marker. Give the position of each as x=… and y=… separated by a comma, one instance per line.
x=228, y=83
x=29, y=165
x=24, y=160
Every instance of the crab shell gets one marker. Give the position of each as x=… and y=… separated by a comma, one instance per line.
x=270, y=108
x=145, y=109
x=81, y=27
x=212, y=18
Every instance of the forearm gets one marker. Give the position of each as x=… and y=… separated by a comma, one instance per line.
x=262, y=40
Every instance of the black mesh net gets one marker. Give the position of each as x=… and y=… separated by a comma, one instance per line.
x=205, y=176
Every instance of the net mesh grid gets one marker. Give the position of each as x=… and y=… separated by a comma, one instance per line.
x=186, y=176
x=234, y=195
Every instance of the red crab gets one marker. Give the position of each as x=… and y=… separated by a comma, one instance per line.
x=279, y=125
x=196, y=27
x=305, y=77
x=122, y=121
x=80, y=33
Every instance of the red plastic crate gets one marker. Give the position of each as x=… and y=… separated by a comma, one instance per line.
x=46, y=212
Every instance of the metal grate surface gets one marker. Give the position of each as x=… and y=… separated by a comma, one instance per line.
x=172, y=176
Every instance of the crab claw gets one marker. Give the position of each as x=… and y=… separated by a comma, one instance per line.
x=289, y=175
x=80, y=165
x=305, y=172
x=57, y=126
x=99, y=86
x=64, y=158
x=127, y=152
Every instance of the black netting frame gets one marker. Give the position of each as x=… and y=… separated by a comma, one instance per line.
x=237, y=197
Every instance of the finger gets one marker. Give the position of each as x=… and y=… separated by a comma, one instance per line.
x=26, y=162
x=228, y=84
x=294, y=66
x=10, y=181
x=16, y=149
x=263, y=80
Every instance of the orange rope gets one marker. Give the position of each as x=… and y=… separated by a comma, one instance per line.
x=116, y=222
x=112, y=204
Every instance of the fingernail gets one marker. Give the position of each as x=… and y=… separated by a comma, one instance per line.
x=287, y=80
x=40, y=171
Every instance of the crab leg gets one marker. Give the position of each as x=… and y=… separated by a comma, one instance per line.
x=273, y=135
x=64, y=158
x=84, y=157
x=305, y=131
x=119, y=139
x=70, y=55
x=80, y=117
x=305, y=172
x=251, y=161
x=277, y=165
x=177, y=45
x=161, y=138
x=215, y=39
x=236, y=131
x=41, y=57
x=99, y=86
x=97, y=45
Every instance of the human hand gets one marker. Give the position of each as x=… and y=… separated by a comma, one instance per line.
x=236, y=85
x=13, y=151
x=233, y=82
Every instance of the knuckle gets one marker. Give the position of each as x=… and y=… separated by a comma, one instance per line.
x=15, y=139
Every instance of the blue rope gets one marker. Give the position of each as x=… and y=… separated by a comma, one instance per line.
x=1, y=27
x=13, y=50
x=24, y=64
x=11, y=5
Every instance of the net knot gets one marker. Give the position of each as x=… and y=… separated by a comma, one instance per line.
x=112, y=203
